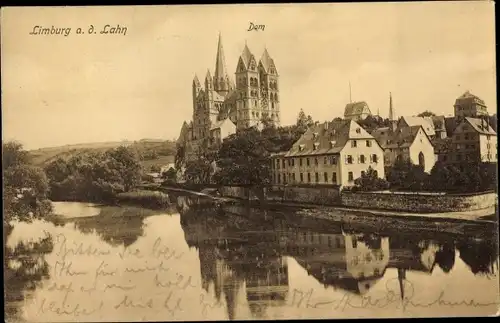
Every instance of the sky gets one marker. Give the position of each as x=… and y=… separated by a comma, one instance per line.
x=59, y=90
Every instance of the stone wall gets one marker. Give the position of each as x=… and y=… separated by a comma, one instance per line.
x=329, y=195
x=418, y=203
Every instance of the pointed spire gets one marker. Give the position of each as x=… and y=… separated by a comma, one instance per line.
x=266, y=60
x=220, y=61
x=196, y=81
x=350, y=93
x=208, y=76
x=246, y=55
x=391, y=109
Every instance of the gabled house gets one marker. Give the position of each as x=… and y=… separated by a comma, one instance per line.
x=406, y=143
x=473, y=140
x=356, y=111
x=335, y=152
x=426, y=123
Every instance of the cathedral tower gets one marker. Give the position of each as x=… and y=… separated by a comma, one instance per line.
x=247, y=86
x=221, y=80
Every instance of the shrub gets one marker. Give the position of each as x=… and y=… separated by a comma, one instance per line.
x=145, y=198
x=370, y=181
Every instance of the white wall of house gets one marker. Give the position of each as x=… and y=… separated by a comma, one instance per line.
x=357, y=156
x=423, y=145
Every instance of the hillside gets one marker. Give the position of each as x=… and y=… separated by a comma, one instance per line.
x=152, y=151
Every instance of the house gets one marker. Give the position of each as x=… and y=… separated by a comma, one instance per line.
x=426, y=123
x=406, y=143
x=469, y=105
x=439, y=123
x=473, y=140
x=356, y=111
x=335, y=152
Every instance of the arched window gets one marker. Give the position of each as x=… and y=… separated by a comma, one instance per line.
x=421, y=160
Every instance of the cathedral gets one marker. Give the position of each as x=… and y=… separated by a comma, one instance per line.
x=221, y=106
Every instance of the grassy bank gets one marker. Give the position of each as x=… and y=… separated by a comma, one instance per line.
x=146, y=198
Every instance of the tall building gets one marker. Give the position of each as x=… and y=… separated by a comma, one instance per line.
x=220, y=102
x=469, y=105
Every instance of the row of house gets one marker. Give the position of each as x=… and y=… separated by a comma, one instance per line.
x=338, y=152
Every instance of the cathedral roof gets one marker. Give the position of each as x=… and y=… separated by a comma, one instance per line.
x=196, y=81
x=208, y=76
x=220, y=62
x=266, y=60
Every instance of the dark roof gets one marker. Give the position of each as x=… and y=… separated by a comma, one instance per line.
x=467, y=96
x=330, y=138
x=450, y=124
x=481, y=126
x=401, y=137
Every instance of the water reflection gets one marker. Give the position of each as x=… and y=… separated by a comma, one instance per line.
x=246, y=263
x=237, y=251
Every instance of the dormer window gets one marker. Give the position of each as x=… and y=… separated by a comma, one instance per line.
x=315, y=135
x=315, y=145
x=301, y=147
x=332, y=144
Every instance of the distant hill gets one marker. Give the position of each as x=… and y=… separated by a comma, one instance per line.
x=152, y=151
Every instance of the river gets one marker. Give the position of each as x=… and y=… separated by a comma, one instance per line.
x=102, y=263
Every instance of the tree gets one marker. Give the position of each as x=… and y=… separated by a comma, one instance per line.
x=170, y=175
x=180, y=156
x=244, y=159
x=370, y=181
x=155, y=168
x=25, y=187
x=303, y=121
x=405, y=175
x=371, y=123
x=426, y=113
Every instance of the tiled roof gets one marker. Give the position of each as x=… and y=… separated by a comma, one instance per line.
x=439, y=123
x=481, y=126
x=426, y=123
x=327, y=138
x=401, y=137
x=356, y=108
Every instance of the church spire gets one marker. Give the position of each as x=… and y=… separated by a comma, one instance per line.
x=221, y=80
x=391, y=109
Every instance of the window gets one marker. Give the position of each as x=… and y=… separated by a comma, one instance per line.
x=368, y=143
x=363, y=173
x=301, y=178
x=325, y=160
x=277, y=163
x=300, y=162
x=293, y=177
x=309, y=177
x=279, y=178
x=358, y=130
x=334, y=177
x=307, y=161
x=316, y=161
x=315, y=146
x=333, y=160
x=316, y=176
x=375, y=173
x=350, y=176
x=349, y=159
x=459, y=157
x=375, y=158
x=283, y=163
x=326, y=177
x=354, y=143
x=362, y=159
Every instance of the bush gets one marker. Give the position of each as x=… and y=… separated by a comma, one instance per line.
x=145, y=198
x=370, y=181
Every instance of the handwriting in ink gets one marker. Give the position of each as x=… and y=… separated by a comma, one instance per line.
x=127, y=302
x=164, y=251
x=158, y=267
x=180, y=282
x=205, y=306
x=65, y=309
x=63, y=268
x=122, y=287
x=167, y=304
x=78, y=249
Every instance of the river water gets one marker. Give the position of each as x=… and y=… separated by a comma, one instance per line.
x=102, y=263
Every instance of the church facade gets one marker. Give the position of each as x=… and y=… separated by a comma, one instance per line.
x=221, y=105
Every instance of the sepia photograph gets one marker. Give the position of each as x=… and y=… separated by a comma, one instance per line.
x=249, y=162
